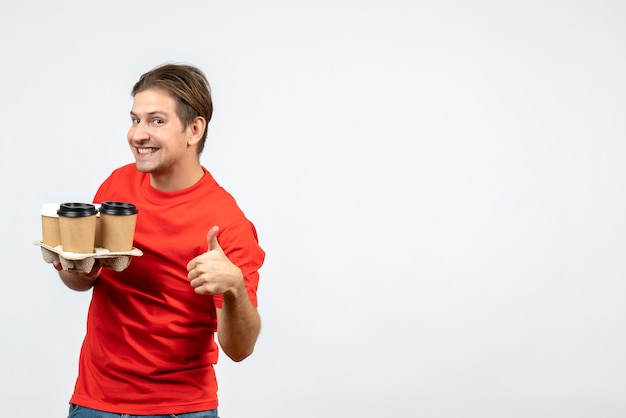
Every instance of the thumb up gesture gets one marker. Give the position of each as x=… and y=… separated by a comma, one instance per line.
x=212, y=273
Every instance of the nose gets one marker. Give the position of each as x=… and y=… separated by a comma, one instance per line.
x=138, y=132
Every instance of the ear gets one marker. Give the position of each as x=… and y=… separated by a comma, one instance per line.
x=196, y=130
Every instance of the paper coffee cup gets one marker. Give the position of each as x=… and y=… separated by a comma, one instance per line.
x=77, y=223
x=50, y=231
x=117, y=225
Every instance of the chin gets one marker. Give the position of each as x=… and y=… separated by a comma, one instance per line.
x=143, y=168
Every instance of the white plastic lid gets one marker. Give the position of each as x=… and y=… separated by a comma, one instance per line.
x=50, y=209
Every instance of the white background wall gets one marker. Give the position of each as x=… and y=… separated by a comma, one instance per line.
x=439, y=186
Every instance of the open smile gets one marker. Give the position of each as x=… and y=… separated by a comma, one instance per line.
x=146, y=151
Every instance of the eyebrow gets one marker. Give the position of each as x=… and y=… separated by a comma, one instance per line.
x=154, y=113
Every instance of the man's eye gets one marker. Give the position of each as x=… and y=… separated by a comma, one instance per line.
x=135, y=121
x=157, y=121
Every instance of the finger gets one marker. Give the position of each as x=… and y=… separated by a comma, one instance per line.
x=191, y=265
x=194, y=273
x=211, y=238
x=57, y=265
x=195, y=282
x=203, y=288
x=96, y=266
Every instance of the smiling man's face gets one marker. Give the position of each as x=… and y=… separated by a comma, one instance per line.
x=156, y=137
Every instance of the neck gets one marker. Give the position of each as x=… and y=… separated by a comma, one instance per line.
x=177, y=180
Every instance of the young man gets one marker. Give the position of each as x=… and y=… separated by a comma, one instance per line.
x=149, y=348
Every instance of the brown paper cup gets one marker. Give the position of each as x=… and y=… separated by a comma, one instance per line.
x=117, y=225
x=117, y=231
x=50, y=232
x=77, y=224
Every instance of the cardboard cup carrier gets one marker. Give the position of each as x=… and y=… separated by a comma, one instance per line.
x=117, y=225
x=75, y=234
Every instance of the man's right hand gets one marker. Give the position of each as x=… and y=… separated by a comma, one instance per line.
x=78, y=280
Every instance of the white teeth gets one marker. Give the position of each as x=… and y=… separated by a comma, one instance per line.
x=146, y=150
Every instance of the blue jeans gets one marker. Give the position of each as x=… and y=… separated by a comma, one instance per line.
x=77, y=411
